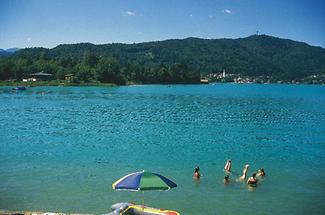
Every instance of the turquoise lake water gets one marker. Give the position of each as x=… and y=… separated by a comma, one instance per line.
x=61, y=148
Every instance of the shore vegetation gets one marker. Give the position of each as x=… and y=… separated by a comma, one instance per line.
x=257, y=59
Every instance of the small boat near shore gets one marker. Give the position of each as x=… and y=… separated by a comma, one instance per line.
x=19, y=88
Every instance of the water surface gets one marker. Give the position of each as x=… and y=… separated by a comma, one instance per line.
x=61, y=148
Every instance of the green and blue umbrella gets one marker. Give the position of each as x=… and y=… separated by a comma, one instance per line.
x=142, y=181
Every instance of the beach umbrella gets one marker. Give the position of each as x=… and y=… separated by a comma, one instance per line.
x=143, y=181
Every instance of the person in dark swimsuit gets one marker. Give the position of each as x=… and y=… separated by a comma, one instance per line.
x=197, y=174
x=252, y=181
x=226, y=179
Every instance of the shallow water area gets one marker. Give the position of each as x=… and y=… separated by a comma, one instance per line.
x=61, y=148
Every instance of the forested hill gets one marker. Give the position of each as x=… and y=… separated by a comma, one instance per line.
x=257, y=55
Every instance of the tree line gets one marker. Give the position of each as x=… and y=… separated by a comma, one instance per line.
x=171, y=61
x=91, y=68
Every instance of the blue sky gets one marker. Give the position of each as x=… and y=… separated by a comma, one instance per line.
x=48, y=23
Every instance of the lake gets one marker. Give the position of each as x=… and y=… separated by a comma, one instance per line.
x=61, y=148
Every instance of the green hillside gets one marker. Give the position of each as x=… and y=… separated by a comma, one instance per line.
x=171, y=61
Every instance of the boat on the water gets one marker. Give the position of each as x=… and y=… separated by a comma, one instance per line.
x=19, y=88
x=132, y=209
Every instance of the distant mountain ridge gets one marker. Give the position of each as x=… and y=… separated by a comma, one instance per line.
x=254, y=55
x=8, y=52
x=12, y=50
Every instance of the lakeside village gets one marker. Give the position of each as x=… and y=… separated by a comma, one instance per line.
x=225, y=77
x=221, y=77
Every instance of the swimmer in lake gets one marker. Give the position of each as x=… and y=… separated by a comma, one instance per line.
x=241, y=178
x=226, y=179
x=228, y=166
x=261, y=172
x=197, y=174
x=252, y=181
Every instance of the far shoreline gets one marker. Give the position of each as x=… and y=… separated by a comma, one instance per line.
x=55, y=83
x=60, y=83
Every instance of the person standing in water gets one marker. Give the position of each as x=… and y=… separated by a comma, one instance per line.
x=241, y=178
x=228, y=166
x=226, y=180
x=197, y=174
x=261, y=172
x=252, y=181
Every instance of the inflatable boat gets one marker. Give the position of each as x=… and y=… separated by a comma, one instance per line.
x=132, y=209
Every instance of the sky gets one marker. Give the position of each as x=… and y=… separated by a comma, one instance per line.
x=48, y=23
